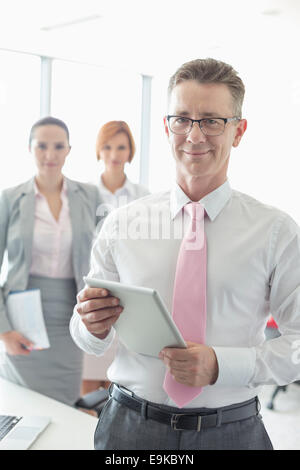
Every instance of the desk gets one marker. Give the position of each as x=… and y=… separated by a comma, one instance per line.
x=70, y=429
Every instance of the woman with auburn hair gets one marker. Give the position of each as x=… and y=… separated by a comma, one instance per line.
x=115, y=147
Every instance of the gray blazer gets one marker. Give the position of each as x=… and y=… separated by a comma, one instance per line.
x=17, y=207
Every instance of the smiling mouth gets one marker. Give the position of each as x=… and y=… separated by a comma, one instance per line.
x=196, y=153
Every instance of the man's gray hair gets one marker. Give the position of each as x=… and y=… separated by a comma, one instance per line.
x=211, y=71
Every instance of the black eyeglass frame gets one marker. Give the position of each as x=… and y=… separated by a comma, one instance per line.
x=169, y=116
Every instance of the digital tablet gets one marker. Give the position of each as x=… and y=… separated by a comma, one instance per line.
x=145, y=325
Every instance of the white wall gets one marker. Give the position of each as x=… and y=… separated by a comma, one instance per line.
x=265, y=165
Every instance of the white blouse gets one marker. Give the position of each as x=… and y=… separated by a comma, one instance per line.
x=52, y=239
x=124, y=195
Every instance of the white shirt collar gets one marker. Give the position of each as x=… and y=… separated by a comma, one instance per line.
x=213, y=202
x=129, y=186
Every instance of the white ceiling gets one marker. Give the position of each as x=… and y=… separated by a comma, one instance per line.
x=156, y=36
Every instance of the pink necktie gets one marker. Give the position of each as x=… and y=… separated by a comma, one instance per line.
x=189, y=296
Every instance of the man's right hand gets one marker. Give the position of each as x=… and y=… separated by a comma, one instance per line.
x=16, y=344
x=98, y=310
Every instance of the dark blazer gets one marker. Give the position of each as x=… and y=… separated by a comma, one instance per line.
x=17, y=207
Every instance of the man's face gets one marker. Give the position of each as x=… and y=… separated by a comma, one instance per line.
x=196, y=154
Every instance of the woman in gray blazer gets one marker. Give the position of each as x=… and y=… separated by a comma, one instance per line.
x=47, y=228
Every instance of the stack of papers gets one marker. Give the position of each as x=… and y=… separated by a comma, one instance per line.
x=26, y=316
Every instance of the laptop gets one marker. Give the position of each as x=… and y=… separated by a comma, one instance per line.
x=20, y=432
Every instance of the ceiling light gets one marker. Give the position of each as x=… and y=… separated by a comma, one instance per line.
x=271, y=12
x=71, y=23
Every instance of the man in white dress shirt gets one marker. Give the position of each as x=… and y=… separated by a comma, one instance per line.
x=253, y=269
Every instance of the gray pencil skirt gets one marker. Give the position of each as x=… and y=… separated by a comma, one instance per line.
x=57, y=371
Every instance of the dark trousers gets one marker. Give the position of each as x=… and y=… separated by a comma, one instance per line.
x=120, y=428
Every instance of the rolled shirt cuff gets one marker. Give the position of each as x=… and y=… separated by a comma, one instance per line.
x=95, y=345
x=236, y=366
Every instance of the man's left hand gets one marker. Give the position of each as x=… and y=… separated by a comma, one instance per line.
x=196, y=366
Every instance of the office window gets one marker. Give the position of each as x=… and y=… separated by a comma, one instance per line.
x=19, y=109
x=86, y=97
x=161, y=165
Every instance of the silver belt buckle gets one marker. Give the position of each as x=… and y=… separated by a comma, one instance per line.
x=175, y=418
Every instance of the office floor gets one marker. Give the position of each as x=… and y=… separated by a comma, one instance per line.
x=282, y=423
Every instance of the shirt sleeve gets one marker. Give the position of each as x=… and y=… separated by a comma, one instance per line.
x=276, y=361
x=85, y=340
x=102, y=267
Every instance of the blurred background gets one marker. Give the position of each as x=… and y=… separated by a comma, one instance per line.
x=88, y=62
x=91, y=61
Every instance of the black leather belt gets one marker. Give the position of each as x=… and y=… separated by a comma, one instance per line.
x=183, y=420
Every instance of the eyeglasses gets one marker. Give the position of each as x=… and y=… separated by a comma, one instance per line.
x=209, y=126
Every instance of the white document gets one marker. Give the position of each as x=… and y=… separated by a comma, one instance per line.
x=26, y=316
